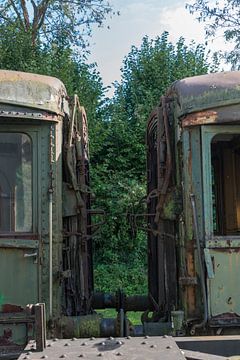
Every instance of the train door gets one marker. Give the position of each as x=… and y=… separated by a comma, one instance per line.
x=19, y=242
x=221, y=182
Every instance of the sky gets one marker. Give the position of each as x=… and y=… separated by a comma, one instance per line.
x=137, y=19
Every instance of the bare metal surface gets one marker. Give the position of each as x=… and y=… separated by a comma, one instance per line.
x=142, y=348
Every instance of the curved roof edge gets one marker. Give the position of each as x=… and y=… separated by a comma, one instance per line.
x=206, y=91
x=33, y=91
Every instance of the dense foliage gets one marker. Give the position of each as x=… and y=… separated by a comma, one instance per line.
x=119, y=167
x=221, y=18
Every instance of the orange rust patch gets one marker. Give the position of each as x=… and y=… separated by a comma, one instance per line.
x=191, y=291
x=200, y=118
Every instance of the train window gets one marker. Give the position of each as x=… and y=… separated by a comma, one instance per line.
x=225, y=154
x=15, y=182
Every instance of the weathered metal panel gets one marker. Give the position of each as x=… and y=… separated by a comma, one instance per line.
x=19, y=287
x=214, y=116
x=147, y=348
x=33, y=91
x=224, y=288
x=207, y=91
x=192, y=184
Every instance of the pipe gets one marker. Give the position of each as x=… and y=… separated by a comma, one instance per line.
x=50, y=253
x=131, y=303
x=202, y=279
x=50, y=217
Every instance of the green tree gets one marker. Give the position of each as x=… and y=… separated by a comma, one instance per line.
x=119, y=169
x=55, y=19
x=220, y=18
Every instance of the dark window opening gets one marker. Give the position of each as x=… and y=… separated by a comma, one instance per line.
x=225, y=154
x=15, y=183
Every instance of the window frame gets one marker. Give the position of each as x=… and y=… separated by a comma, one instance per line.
x=208, y=132
x=34, y=142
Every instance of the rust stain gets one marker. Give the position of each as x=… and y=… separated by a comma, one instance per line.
x=24, y=236
x=227, y=315
x=9, y=308
x=5, y=340
x=200, y=118
x=190, y=290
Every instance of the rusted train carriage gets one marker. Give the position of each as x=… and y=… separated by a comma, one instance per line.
x=193, y=222
x=194, y=202
x=45, y=239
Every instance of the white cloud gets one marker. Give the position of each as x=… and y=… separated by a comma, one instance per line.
x=139, y=18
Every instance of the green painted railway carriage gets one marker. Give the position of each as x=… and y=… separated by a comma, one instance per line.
x=194, y=198
x=44, y=220
x=193, y=216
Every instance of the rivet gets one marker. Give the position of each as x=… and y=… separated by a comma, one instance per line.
x=92, y=338
x=55, y=339
x=100, y=354
x=165, y=336
x=119, y=354
x=81, y=355
x=169, y=347
x=84, y=344
x=29, y=353
x=26, y=357
x=143, y=342
x=153, y=346
x=129, y=337
x=110, y=338
x=67, y=344
x=44, y=357
x=103, y=343
x=146, y=337
x=74, y=339
x=119, y=342
x=49, y=345
x=63, y=356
